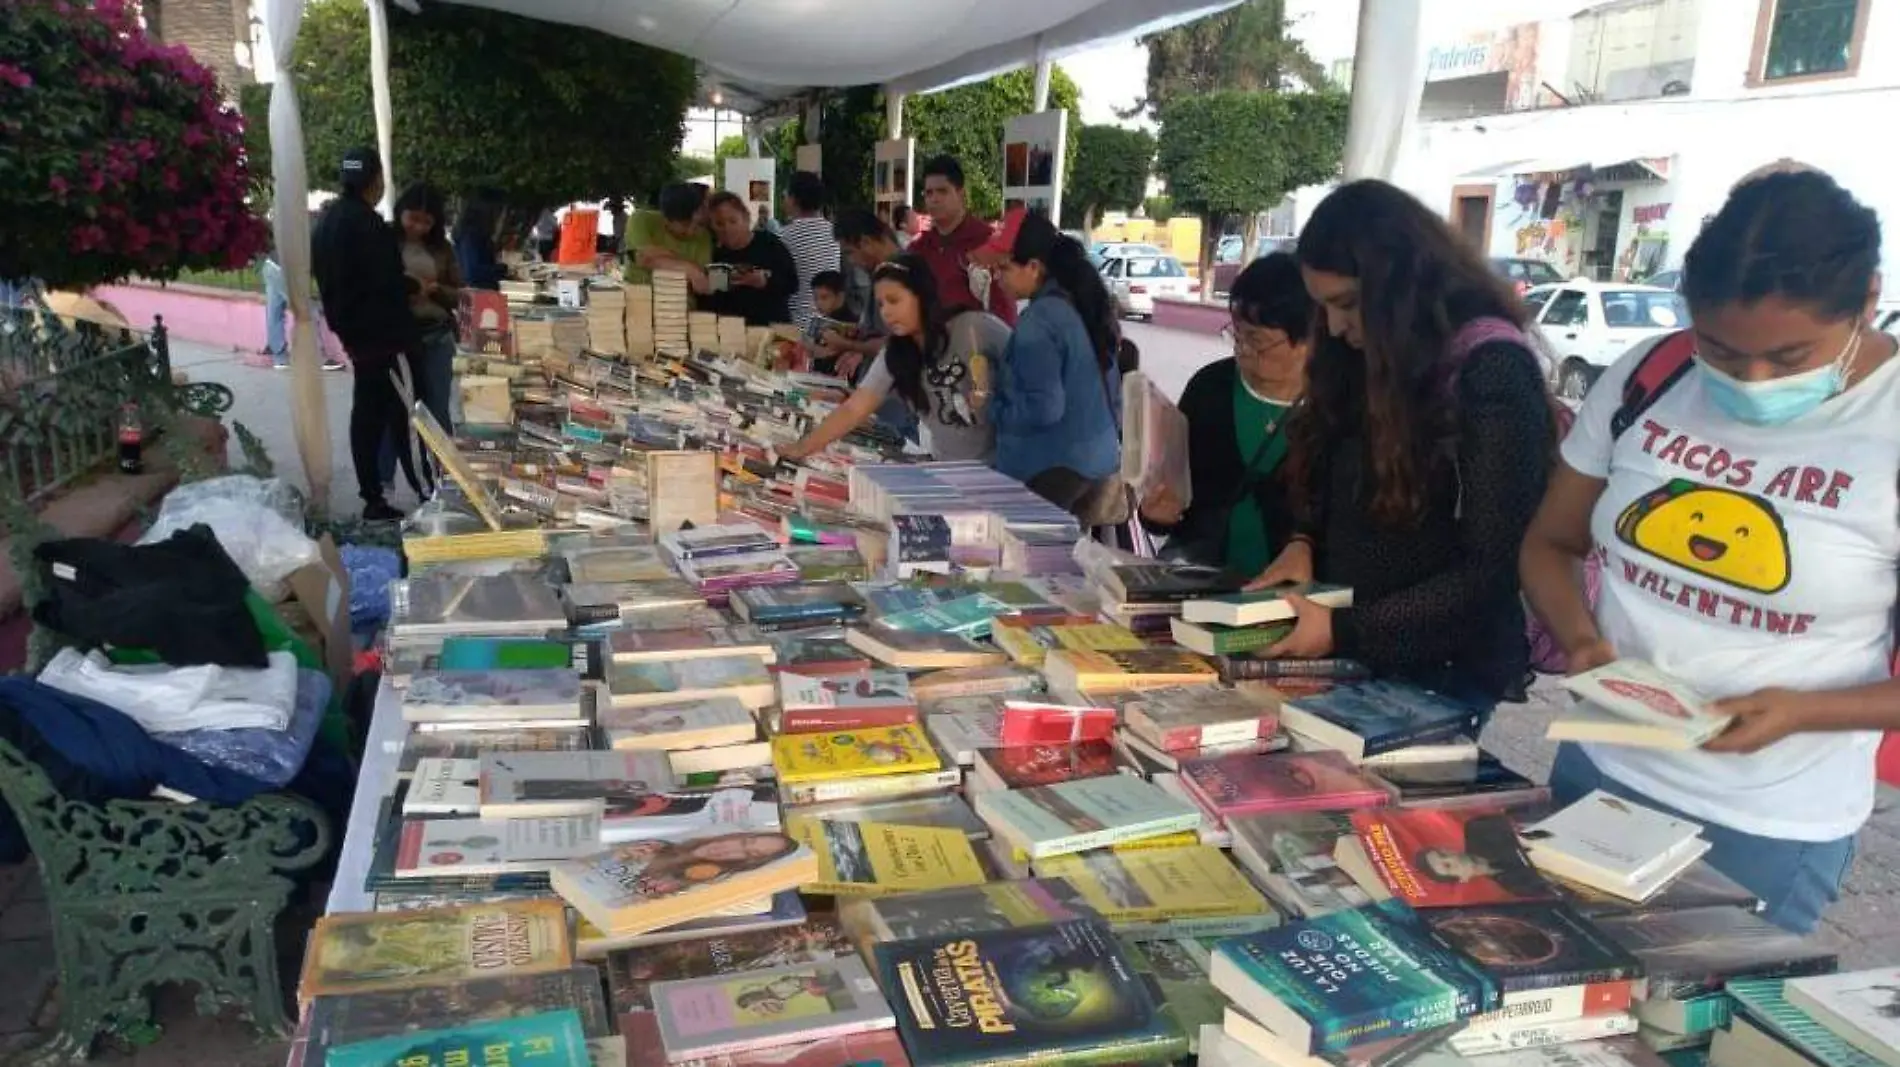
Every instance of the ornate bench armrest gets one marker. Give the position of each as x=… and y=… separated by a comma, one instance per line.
x=162, y=847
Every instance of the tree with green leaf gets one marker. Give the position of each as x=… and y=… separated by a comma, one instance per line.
x=1109, y=172
x=687, y=167
x=1237, y=153
x=546, y=113
x=967, y=122
x=1244, y=48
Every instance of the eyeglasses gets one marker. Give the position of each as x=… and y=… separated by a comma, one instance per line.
x=1259, y=344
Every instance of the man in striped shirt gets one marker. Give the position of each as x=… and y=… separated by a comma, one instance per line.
x=808, y=236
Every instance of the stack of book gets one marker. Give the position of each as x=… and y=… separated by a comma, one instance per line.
x=1237, y=624
x=640, y=337
x=702, y=331
x=607, y=319
x=730, y=330
x=672, y=302
x=1823, y=1020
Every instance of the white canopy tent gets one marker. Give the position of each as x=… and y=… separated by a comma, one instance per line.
x=765, y=52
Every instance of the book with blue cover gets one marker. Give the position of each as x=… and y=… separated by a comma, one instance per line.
x=546, y=1039
x=1350, y=978
x=967, y=616
x=798, y=603
x=1064, y=992
x=1364, y=719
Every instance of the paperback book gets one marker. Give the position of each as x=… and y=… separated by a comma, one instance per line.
x=372, y=952
x=946, y=812
x=751, y=1010
x=472, y=696
x=1445, y=859
x=1842, y=1020
x=631, y=973
x=455, y=848
x=698, y=642
x=470, y=744
x=1027, y=723
x=688, y=724
x=1529, y=947
x=1177, y=970
x=1615, y=845
x=993, y=681
x=1211, y=639
x=648, y=885
x=1260, y=606
x=1280, y=781
x=1168, y=583
x=462, y=652
x=1087, y=813
x=1108, y=671
x=1028, y=639
x=1023, y=766
x=743, y=678
x=444, y=787
x=918, y=650
x=966, y=616
x=341, y=1020
x=518, y=785
x=965, y=910
x=869, y=752
x=874, y=697
x=552, y=1038
x=1291, y=853
x=1066, y=991
x=1690, y=953
x=798, y=604
x=787, y=911
x=1483, y=781
x=1630, y=702
x=879, y=859
x=1364, y=719
x=1194, y=717
x=1149, y=893
x=699, y=813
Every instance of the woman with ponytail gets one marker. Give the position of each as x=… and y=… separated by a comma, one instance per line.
x=1056, y=404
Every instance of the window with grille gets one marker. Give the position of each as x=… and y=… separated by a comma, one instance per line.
x=1810, y=37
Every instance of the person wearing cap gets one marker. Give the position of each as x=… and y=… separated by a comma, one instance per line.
x=950, y=247
x=356, y=261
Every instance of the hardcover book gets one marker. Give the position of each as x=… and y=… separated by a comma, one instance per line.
x=1630, y=702
x=1533, y=946
x=1350, y=978
x=784, y=1005
x=1186, y=891
x=1028, y=639
x=631, y=973
x=743, y=678
x=1026, y=723
x=525, y=784
x=1197, y=716
x=1086, y=813
x=1689, y=953
x=1067, y=991
x=1291, y=853
x=688, y=724
x=1263, y=605
x=1363, y=719
x=852, y=754
x=552, y=1038
x=647, y=885
x=878, y=859
x=1446, y=859
x=371, y=952
x=1280, y=781
x=1022, y=766
x=340, y=1020
x=1099, y=671
x=966, y=909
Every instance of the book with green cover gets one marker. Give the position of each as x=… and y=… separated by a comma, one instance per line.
x=1764, y=1001
x=462, y=652
x=968, y=616
x=1178, y=971
x=355, y=1017
x=1350, y=978
x=545, y=1039
x=1066, y=992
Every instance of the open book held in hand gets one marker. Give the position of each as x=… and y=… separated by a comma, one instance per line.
x=1154, y=439
x=1630, y=702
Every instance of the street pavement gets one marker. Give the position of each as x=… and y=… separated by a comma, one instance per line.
x=1865, y=923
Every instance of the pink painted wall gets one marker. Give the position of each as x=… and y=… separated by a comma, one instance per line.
x=1191, y=315
x=220, y=317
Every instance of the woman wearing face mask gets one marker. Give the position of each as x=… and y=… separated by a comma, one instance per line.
x=1419, y=455
x=1746, y=520
x=1237, y=412
x=940, y=362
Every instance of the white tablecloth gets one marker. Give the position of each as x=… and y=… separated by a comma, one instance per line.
x=382, y=753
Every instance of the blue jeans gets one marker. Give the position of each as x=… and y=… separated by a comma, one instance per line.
x=1797, y=880
x=276, y=311
x=432, y=370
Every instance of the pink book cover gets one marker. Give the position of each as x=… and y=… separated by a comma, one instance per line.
x=1025, y=723
x=1247, y=783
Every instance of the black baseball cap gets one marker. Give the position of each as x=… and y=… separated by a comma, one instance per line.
x=360, y=167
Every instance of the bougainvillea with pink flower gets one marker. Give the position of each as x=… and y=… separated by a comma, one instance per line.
x=118, y=155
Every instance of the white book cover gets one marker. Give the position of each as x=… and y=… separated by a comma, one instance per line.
x=1647, y=696
x=444, y=787
x=526, y=784
x=1862, y=1007
x=436, y=848
x=1612, y=836
x=672, y=816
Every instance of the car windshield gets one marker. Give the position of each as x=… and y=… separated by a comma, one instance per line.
x=1537, y=272
x=1643, y=309
x=1154, y=268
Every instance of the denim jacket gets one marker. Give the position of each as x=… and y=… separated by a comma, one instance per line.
x=1052, y=407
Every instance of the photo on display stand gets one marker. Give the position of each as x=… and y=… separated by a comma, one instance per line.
x=759, y=192
x=884, y=184
x=1016, y=163
x=1042, y=163
x=900, y=177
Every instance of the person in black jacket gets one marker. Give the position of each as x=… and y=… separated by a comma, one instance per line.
x=358, y=268
x=761, y=291
x=1420, y=454
x=1237, y=412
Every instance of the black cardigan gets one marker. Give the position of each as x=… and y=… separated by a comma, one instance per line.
x=1437, y=600
x=1215, y=466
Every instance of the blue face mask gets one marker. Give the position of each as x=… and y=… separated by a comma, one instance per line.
x=1777, y=401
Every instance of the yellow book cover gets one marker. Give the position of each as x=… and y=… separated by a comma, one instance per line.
x=878, y=859
x=1164, y=892
x=1028, y=640
x=373, y=951
x=1120, y=670
x=853, y=754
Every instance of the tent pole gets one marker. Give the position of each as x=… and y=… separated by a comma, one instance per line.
x=1043, y=70
x=379, y=90
x=1388, y=76
x=893, y=114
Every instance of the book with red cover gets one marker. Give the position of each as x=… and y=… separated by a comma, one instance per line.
x=1434, y=858
x=1245, y=783
x=1025, y=723
x=1031, y=765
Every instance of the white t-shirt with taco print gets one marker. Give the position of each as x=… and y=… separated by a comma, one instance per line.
x=1740, y=558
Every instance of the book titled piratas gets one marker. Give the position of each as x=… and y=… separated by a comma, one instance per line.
x=367, y=952
x=1432, y=858
x=878, y=859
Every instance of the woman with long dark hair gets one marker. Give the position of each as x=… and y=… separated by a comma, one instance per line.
x=1737, y=480
x=1056, y=405
x=1420, y=453
x=1238, y=410
x=477, y=229
x=941, y=362
x=435, y=289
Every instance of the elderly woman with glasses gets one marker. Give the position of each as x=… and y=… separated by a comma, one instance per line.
x=1237, y=411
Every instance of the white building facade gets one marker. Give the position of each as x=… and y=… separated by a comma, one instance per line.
x=1601, y=140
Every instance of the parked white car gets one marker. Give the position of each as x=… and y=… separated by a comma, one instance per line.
x=1107, y=250
x=1135, y=281
x=1584, y=326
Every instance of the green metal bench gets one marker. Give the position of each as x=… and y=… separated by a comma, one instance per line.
x=148, y=892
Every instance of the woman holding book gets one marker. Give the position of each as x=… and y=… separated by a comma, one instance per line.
x=1237, y=412
x=940, y=362
x=1419, y=455
x=1741, y=494
x=761, y=275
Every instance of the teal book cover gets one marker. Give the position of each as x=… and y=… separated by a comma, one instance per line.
x=548, y=1039
x=968, y=616
x=464, y=653
x=1066, y=991
x=1763, y=1000
x=1360, y=976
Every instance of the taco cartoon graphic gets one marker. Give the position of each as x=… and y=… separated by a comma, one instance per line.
x=1719, y=533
